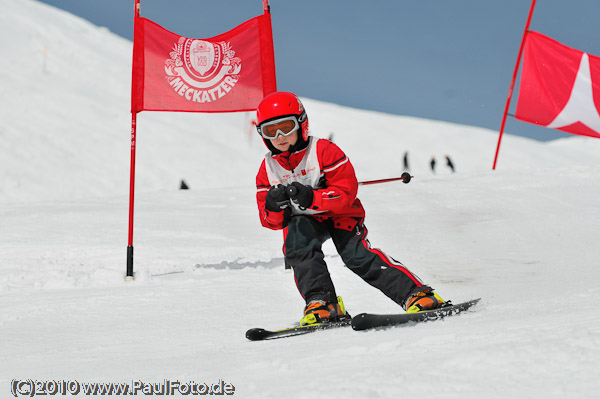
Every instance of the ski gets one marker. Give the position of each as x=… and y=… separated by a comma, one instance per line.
x=365, y=321
x=260, y=334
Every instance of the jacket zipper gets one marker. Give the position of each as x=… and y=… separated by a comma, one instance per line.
x=290, y=163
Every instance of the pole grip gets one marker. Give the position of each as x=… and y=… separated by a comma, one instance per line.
x=292, y=191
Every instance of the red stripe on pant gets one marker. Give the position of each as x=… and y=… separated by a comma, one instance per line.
x=387, y=259
x=285, y=230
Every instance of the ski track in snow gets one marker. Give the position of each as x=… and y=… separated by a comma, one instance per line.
x=522, y=238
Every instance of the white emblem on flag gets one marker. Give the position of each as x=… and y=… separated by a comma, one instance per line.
x=202, y=71
x=580, y=107
x=201, y=56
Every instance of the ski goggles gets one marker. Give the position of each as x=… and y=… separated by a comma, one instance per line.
x=284, y=126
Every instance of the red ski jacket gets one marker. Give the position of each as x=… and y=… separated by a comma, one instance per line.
x=335, y=195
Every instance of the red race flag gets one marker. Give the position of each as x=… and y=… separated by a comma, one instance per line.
x=229, y=72
x=560, y=87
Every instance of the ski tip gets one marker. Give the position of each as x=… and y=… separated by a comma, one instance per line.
x=473, y=302
x=255, y=334
x=357, y=321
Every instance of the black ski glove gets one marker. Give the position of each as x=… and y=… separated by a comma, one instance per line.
x=277, y=198
x=300, y=194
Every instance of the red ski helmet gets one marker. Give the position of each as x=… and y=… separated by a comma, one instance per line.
x=281, y=104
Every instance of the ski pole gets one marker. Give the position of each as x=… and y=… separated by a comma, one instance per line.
x=405, y=179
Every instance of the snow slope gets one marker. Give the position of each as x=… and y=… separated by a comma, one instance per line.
x=524, y=238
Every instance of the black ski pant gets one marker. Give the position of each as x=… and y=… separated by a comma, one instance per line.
x=303, y=242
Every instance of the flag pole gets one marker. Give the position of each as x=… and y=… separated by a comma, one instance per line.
x=267, y=42
x=129, y=272
x=129, y=275
x=512, y=84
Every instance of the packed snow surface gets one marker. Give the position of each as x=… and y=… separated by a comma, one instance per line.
x=524, y=238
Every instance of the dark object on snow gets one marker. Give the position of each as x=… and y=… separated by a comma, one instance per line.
x=449, y=163
x=184, y=186
x=405, y=161
x=432, y=163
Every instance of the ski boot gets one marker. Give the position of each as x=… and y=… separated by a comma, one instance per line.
x=422, y=301
x=321, y=311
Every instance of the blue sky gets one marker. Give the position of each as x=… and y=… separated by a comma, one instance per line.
x=437, y=59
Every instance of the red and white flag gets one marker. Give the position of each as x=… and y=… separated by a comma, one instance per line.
x=229, y=72
x=560, y=87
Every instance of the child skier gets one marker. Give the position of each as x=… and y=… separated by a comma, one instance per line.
x=307, y=186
